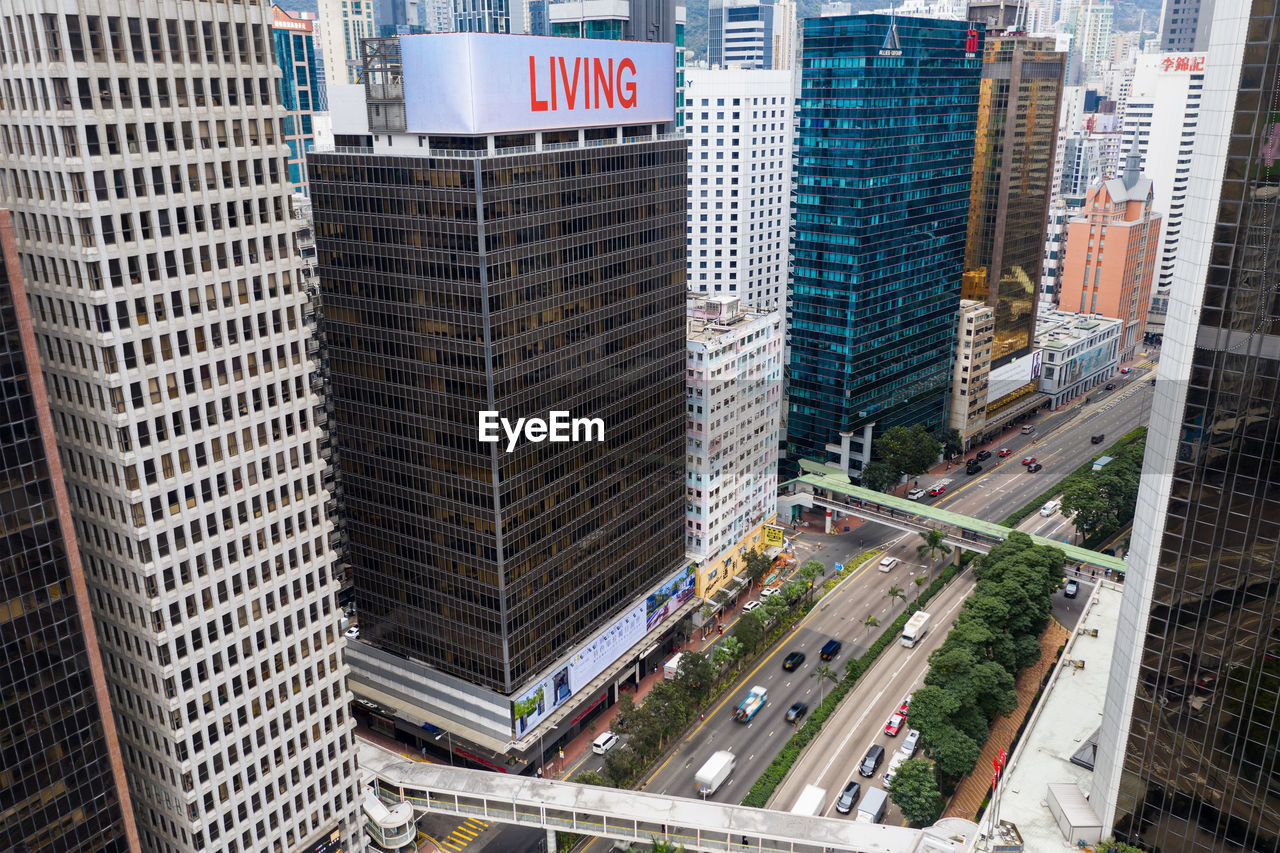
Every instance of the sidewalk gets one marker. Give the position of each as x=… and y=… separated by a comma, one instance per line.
x=975, y=787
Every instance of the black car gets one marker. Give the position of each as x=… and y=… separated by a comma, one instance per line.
x=849, y=797
x=871, y=761
x=973, y=468
x=1097, y=439
x=793, y=660
x=1034, y=467
x=1111, y=386
x=796, y=712
x=830, y=650
x=982, y=455
x=1070, y=590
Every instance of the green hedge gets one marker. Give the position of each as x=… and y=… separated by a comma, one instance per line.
x=1139, y=434
x=782, y=763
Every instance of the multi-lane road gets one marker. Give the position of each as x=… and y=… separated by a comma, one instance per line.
x=1061, y=443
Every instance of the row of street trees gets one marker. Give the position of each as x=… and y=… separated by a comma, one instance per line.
x=971, y=676
x=673, y=702
x=906, y=451
x=1103, y=501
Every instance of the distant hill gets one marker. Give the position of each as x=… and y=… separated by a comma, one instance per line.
x=1128, y=14
x=297, y=5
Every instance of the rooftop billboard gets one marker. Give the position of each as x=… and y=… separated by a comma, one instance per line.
x=478, y=83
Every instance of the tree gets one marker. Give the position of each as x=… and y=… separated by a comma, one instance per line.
x=749, y=631
x=626, y=706
x=697, y=674
x=793, y=590
x=708, y=613
x=914, y=789
x=932, y=708
x=952, y=443
x=620, y=765
x=589, y=777
x=896, y=592
x=809, y=573
x=728, y=651
x=871, y=622
x=755, y=565
x=934, y=545
x=824, y=674
x=955, y=752
x=660, y=846
x=774, y=609
x=907, y=450
x=879, y=477
x=920, y=582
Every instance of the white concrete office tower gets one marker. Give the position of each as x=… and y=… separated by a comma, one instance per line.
x=785, y=29
x=343, y=23
x=733, y=403
x=1185, y=25
x=969, y=376
x=145, y=168
x=1090, y=25
x=739, y=127
x=481, y=16
x=1160, y=127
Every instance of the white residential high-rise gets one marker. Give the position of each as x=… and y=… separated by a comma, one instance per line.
x=1160, y=127
x=343, y=23
x=733, y=403
x=1090, y=24
x=146, y=172
x=739, y=127
x=785, y=26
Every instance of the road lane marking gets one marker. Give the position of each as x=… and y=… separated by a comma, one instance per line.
x=731, y=694
x=840, y=750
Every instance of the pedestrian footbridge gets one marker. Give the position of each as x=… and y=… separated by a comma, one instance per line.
x=636, y=816
x=836, y=493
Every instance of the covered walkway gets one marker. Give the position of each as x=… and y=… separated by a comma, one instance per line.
x=636, y=816
x=837, y=493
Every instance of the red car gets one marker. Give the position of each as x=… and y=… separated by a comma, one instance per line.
x=895, y=723
x=937, y=490
x=906, y=703
x=1005, y=451
x=1030, y=460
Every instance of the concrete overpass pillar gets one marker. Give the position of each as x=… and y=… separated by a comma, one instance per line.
x=829, y=522
x=551, y=840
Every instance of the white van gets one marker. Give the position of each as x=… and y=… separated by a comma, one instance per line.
x=1028, y=429
x=1050, y=508
x=604, y=743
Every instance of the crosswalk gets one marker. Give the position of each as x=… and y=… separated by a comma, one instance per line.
x=464, y=834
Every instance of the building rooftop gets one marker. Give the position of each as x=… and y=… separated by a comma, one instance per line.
x=1060, y=329
x=1063, y=727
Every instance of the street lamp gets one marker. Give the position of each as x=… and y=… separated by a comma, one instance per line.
x=445, y=733
x=542, y=751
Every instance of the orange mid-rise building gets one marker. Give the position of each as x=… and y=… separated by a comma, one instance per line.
x=1111, y=255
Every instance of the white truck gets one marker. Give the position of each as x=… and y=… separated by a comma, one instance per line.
x=810, y=801
x=714, y=773
x=915, y=629
x=871, y=806
x=671, y=668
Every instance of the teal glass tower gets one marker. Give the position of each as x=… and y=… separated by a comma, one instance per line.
x=883, y=159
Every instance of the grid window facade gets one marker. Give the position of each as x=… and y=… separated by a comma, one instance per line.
x=521, y=284
x=141, y=153
x=1012, y=180
x=883, y=159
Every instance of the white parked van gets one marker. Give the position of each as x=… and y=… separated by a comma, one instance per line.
x=1050, y=508
x=604, y=743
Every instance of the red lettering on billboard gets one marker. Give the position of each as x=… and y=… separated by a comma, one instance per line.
x=607, y=77
x=971, y=41
x=629, y=99
x=534, y=104
x=570, y=92
x=612, y=83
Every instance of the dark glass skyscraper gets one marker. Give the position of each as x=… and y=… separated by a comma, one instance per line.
x=62, y=783
x=1012, y=179
x=883, y=159
x=1189, y=752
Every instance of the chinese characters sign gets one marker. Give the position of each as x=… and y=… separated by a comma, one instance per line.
x=1180, y=62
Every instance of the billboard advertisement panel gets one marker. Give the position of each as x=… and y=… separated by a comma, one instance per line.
x=591, y=660
x=476, y=83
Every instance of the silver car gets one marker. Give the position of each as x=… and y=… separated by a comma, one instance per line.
x=908, y=747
